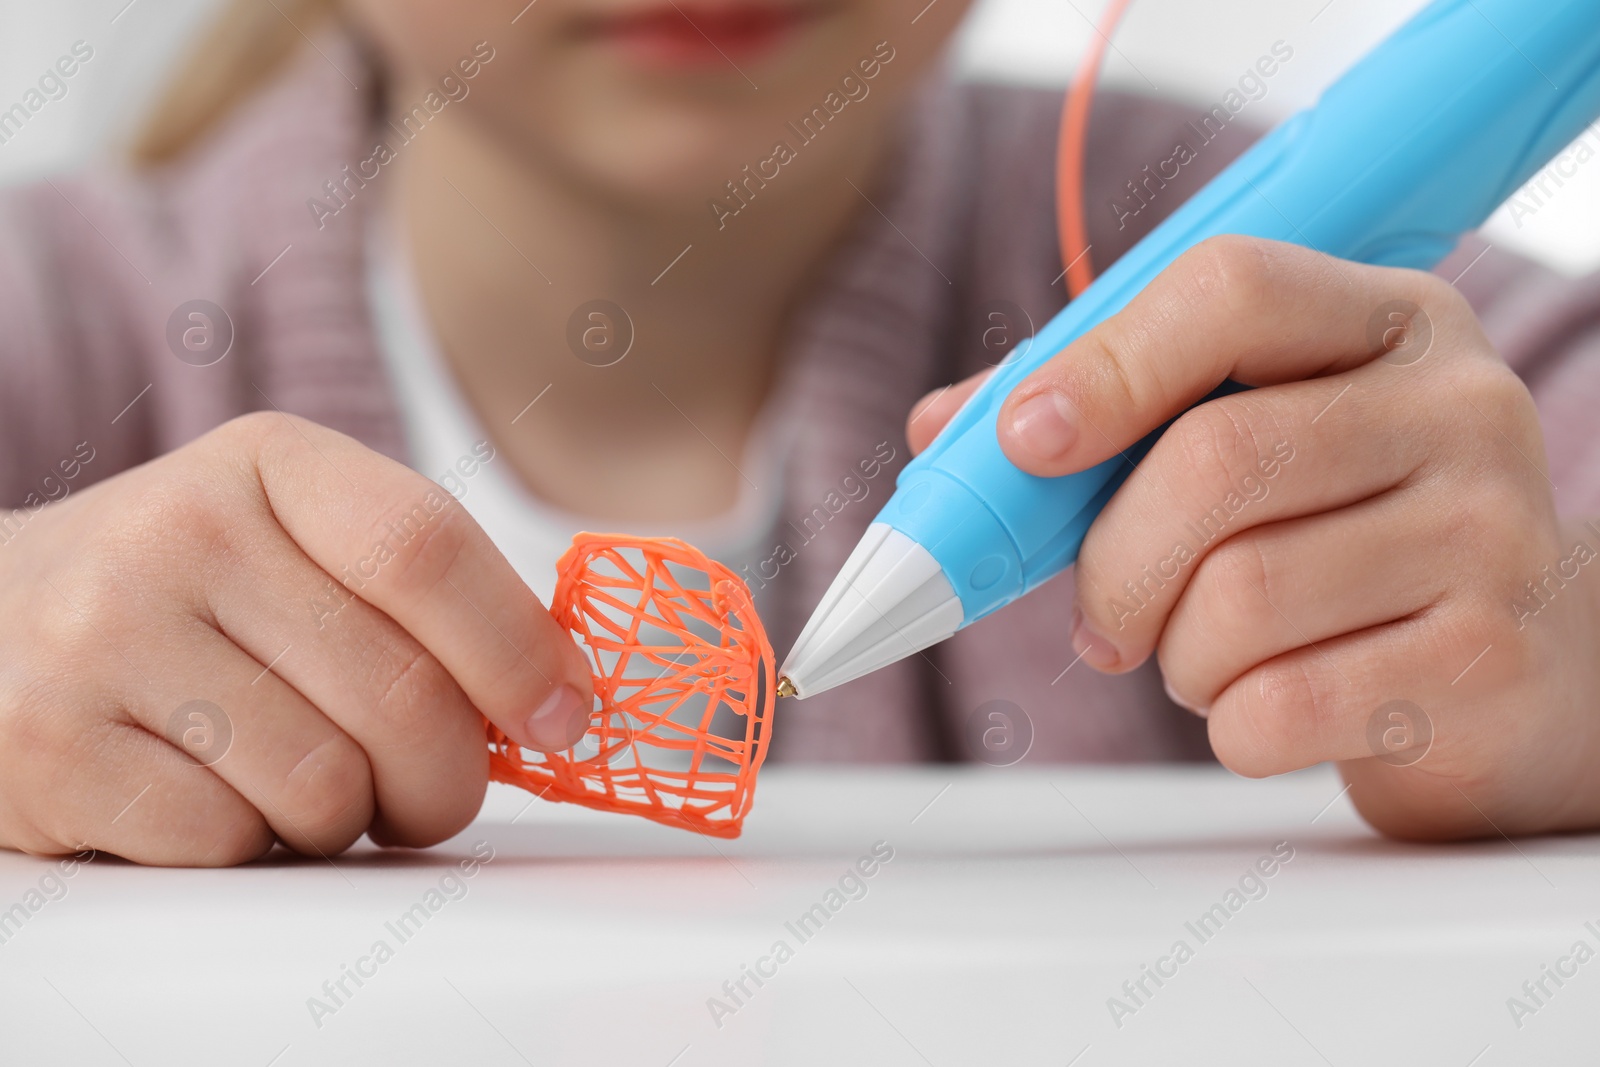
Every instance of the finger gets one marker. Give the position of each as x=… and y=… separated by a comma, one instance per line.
x=1269, y=455
x=237, y=720
x=410, y=722
x=1316, y=704
x=406, y=547
x=1258, y=312
x=1290, y=584
x=114, y=787
x=929, y=415
x=1228, y=466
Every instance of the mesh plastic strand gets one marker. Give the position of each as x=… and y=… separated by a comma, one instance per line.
x=676, y=646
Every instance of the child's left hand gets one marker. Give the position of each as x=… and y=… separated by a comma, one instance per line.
x=1362, y=529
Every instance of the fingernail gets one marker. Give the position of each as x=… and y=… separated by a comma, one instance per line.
x=1182, y=703
x=1044, y=425
x=560, y=722
x=1091, y=647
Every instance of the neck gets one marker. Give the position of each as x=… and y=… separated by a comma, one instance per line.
x=506, y=251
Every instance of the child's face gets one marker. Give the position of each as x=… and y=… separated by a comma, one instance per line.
x=631, y=96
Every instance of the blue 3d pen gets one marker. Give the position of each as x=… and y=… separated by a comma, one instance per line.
x=1413, y=147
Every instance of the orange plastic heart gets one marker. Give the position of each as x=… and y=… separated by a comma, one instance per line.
x=673, y=658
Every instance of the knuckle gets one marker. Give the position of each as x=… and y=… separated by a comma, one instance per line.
x=183, y=509
x=1237, y=579
x=1479, y=520
x=1103, y=364
x=329, y=792
x=1442, y=300
x=1497, y=394
x=1483, y=522
x=1276, y=708
x=64, y=629
x=425, y=538
x=236, y=841
x=1286, y=695
x=1215, y=444
x=413, y=688
x=254, y=442
x=1233, y=274
x=40, y=737
x=256, y=429
x=91, y=618
x=176, y=518
x=1476, y=633
x=255, y=425
x=35, y=731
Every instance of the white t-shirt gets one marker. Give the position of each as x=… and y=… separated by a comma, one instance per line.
x=448, y=443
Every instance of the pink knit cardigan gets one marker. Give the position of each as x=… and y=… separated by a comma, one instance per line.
x=92, y=268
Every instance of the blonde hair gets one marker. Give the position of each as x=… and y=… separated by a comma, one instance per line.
x=242, y=49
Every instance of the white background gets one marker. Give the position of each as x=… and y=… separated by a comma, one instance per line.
x=1178, y=47
x=1018, y=901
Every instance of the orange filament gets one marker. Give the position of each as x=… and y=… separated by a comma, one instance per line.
x=671, y=656
x=1071, y=219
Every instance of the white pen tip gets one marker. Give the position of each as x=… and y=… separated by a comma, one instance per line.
x=890, y=600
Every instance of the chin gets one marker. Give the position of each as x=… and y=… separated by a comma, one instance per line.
x=666, y=164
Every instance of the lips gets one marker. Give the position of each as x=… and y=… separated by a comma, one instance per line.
x=685, y=34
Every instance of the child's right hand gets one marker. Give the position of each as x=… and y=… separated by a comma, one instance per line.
x=347, y=621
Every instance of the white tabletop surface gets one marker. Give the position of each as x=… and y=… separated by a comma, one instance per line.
x=1017, y=903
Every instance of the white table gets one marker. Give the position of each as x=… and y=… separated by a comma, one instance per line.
x=1017, y=902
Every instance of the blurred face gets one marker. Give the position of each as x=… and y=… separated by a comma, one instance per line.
x=661, y=102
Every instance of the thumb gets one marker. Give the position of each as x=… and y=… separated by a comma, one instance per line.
x=1258, y=312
